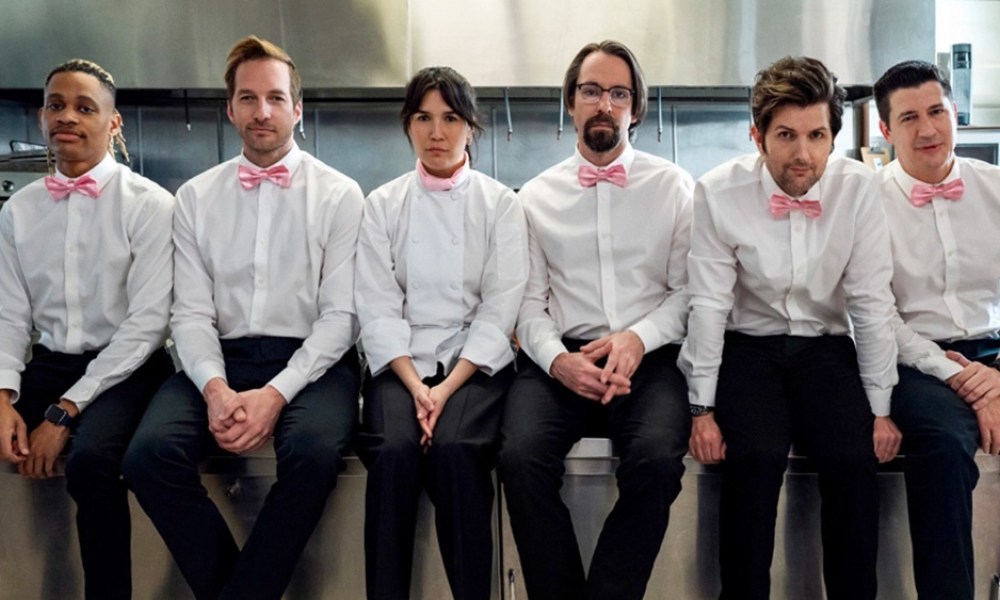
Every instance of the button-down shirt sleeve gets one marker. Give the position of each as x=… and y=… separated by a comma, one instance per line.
x=712, y=276
x=109, y=288
x=336, y=330
x=537, y=331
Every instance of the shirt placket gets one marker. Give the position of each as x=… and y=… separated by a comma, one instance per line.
x=942, y=221
x=258, y=302
x=800, y=273
x=71, y=268
x=605, y=256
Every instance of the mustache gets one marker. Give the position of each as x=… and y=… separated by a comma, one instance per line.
x=601, y=118
x=57, y=130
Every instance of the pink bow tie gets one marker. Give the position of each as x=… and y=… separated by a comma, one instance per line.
x=922, y=193
x=251, y=178
x=781, y=204
x=62, y=188
x=589, y=176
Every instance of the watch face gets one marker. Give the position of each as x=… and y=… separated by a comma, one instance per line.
x=58, y=415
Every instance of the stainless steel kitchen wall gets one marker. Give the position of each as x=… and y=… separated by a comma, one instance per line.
x=377, y=43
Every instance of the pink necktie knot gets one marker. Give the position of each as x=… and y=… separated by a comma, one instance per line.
x=251, y=178
x=780, y=205
x=922, y=193
x=589, y=176
x=62, y=188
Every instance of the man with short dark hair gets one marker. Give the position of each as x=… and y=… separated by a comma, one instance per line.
x=85, y=259
x=264, y=323
x=600, y=326
x=786, y=260
x=943, y=214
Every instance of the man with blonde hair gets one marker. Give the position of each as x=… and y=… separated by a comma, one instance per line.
x=264, y=323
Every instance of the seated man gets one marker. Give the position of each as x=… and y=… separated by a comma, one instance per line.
x=85, y=259
x=786, y=259
x=944, y=214
x=264, y=323
x=600, y=326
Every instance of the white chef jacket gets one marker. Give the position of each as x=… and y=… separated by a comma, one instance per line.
x=440, y=274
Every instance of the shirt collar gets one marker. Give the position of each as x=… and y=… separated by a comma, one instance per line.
x=624, y=159
x=290, y=160
x=771, y=186
x=101, y=172
x=905, y=181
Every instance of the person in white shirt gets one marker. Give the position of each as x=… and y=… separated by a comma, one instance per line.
x=943, y=214
x=85, y=259
x=604, y=312
x=786, y=258
x=441, y=267
x=264, y=323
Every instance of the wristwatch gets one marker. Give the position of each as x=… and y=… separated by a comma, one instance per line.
x=697, y=410
x=58, y=415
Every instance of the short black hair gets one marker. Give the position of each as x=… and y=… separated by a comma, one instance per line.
x=79, y=65
x=907, y=74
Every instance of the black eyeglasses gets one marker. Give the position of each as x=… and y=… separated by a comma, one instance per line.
x=590, y=93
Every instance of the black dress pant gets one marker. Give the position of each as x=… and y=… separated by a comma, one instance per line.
x=455, y=470
x=310, y=437
x=940, y=438
x=649, y=429
x=93, y=457
x=774, y=390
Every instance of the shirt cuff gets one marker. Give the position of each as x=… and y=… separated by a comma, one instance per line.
x=487, y=347
x=548, y=352
x=11, y=380
x=938, y=366
x=701, y=390
x=204, y=372
x=383, y=340
x=648, y=333
x=82, y=392
x=289, y=383
x=880, y=401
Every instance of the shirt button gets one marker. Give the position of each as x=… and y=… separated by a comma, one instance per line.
x=416, y=241
x=454, y=286
x=416, y=285
x=454, y=241
x=798, y=228
x=260, y=281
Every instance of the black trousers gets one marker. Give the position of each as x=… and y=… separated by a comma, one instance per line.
x=310, y=437
x=93, y=457
x=774, y=390
x=649, y=429
x=940, y=438
x=455, y=471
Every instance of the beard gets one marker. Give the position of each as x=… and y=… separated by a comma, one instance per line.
x=795, y=185
x=600, y=140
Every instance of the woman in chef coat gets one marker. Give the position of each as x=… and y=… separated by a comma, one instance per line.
x=441, y=266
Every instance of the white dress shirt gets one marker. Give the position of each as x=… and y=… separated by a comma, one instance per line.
x=791, y=275
x=267, y=261
x=88, y=274
x=604, y=259
x=441, y=274
x=946, y=258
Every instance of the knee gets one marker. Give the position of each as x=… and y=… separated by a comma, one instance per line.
x=459, y=452
x=312, y=450
x=653, y=460
x=524, y=458
x=148, y=457
x=89, y=469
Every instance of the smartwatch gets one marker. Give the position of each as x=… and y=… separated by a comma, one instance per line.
x=58, y=415
x=697, y=410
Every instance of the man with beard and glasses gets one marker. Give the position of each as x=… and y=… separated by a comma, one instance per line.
x=264, y=322
x=604, y=313
x=787, y=256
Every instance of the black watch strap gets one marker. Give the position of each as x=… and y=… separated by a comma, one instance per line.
x=698, y=410
x=58, y=415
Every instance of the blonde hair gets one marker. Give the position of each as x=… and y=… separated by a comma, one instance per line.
x=254, y=48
